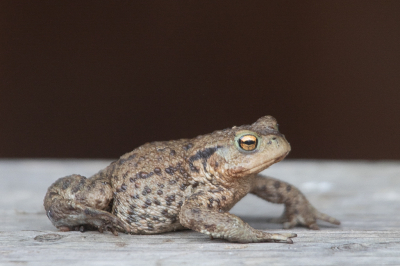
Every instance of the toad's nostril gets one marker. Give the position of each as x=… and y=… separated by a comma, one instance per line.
x=273, y=138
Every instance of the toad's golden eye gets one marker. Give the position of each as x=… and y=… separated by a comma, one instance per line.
x=248, y=142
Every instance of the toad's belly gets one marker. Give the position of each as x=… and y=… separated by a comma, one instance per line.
x=150, y=220
x=149, y=215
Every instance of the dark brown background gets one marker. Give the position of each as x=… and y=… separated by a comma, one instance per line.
x=97, y=79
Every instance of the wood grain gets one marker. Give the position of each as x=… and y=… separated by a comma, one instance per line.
x=365, y=196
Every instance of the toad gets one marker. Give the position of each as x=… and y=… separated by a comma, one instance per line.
x=165, y=186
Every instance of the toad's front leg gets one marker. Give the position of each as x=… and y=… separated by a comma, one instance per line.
x=224, y=225
x=297, y=208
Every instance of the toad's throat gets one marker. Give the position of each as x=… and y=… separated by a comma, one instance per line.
x=260, y=167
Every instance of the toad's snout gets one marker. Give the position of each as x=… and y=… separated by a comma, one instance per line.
x=279, y=142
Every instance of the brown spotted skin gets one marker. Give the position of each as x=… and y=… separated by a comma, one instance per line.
x=188, y=183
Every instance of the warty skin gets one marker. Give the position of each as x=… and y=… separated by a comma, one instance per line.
x=189, y=183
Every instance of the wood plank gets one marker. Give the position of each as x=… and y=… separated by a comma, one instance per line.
x=365, y=196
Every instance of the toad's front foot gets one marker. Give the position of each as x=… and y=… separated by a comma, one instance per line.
x=224, y=225
x=277, y=238
x=298, y=210
x=304, y=214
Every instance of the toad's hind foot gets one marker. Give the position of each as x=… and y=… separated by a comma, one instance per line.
x=105, y=221
x=70, y=216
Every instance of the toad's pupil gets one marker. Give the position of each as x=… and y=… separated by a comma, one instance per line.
x=248, y=142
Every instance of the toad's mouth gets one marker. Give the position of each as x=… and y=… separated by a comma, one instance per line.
x=262, y=166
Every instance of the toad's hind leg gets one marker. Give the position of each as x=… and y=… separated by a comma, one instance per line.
x=77, y=202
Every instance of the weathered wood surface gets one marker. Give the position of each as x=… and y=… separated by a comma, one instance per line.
x=365, y=196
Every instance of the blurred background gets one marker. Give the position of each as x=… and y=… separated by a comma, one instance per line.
x=95, y=79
